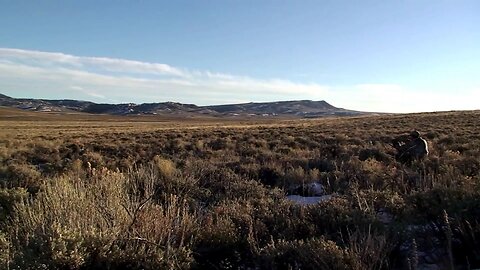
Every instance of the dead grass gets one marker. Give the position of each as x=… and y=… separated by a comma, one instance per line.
x=144, y=193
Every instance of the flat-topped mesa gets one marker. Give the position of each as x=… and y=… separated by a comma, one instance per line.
x=295, y=108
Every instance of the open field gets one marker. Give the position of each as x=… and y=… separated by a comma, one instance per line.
x=107, y=192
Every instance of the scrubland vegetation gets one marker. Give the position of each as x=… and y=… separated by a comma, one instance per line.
x=114, y=195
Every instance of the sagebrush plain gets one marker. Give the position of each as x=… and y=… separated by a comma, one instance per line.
x=85, y=192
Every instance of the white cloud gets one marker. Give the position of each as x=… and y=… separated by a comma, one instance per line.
x=110, y=64
x=95, y=95
x=399, y=99
x=58, y=75
x=88, y=92
x=133, y=80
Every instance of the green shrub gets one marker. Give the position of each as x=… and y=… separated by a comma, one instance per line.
x=166, y=168
x=8, y=199
x=317, y=253
x=4, y=252
x=121, y=229
x=431, y=204
x=23, y=175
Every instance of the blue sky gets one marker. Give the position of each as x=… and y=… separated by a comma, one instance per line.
x=393, y=56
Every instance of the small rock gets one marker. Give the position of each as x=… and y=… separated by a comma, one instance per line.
x=311, y=189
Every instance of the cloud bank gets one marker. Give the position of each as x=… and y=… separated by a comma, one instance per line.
x=26, y=73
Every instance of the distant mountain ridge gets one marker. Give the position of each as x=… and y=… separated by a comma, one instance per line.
x=304, y=108
x=297, y=108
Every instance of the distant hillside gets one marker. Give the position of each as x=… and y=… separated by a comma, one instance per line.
x=43, y=104
x=300, y=108
x=303, y=108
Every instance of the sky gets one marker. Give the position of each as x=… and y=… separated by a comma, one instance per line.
x=382, y=56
